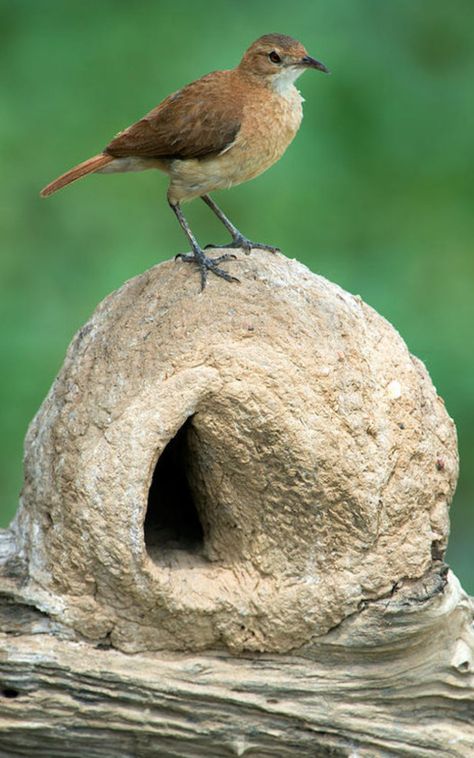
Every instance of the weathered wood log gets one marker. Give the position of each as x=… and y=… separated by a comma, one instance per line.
x=394, y=679
x=231, y=535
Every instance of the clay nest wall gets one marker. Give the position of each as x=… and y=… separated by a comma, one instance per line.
x=240, y=468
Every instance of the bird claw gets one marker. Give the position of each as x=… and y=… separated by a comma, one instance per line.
x=247, y=245
x=207, y=264
x=220, y=258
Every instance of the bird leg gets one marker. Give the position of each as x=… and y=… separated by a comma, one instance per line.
x=238, y=239
x=198, y=256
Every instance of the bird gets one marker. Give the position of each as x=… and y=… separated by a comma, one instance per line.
x=219, y=131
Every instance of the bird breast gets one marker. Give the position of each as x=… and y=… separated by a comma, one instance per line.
x=270, y=121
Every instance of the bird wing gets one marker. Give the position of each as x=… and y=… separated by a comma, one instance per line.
x=201, y=119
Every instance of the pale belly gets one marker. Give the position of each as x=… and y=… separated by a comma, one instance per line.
x=266, y=132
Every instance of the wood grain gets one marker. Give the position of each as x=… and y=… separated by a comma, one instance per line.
x=394, y=679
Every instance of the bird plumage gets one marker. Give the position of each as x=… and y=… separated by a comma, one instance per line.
x=218, y=131
x=89, y=166
x=194, y=122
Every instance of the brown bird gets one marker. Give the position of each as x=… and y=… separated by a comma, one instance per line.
x=218, y=131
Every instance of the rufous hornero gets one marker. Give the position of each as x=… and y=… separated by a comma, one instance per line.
x=221, y=130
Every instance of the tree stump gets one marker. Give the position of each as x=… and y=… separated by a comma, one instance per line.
x=231, y=534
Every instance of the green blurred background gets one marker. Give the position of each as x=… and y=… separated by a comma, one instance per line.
x=376, y=193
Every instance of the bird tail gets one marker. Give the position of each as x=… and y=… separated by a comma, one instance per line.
x=82, y=169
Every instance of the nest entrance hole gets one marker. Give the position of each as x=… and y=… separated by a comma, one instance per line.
x=172, y=520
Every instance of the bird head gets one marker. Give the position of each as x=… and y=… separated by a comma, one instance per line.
x=278, y=59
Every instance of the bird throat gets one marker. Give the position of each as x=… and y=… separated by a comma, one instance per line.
x=283, y=82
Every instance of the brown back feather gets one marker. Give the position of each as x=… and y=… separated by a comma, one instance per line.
x=199, y=120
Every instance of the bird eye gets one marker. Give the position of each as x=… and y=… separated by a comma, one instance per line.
x=274, y=57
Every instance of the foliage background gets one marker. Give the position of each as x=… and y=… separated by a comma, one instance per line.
x=376, y=193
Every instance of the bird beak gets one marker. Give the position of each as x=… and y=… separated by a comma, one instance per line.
x=309, y=62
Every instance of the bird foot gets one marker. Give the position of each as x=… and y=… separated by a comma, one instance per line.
x=207, y=264
x=247, y=245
